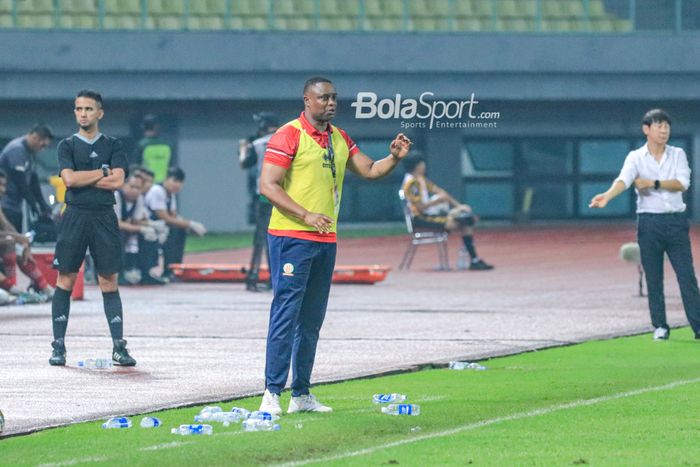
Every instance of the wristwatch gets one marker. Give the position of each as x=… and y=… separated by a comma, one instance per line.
x=105, y=170
x=657, y=184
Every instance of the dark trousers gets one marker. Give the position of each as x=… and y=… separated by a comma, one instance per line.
x=668, y=233
x=262, y=221
x=301, y=279
x=173, y=250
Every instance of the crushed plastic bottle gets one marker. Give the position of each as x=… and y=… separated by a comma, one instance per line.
x=466, y=366
x=260, y=415
x=150, y=422
x=256, y=424
x=95, y=364
x=401, y=409
x=117, y=422
x=386, y=398
x=242, y=413
x=186, y=430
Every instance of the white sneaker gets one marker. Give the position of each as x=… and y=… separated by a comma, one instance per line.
x=307, y=403
x=271, y=403
x=6, y=298
x=660, y=334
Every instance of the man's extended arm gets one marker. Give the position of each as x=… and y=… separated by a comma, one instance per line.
x=369, y=169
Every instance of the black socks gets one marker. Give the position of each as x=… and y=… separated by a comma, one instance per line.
x=60, y=309
x=113, y=312
x=469, y=245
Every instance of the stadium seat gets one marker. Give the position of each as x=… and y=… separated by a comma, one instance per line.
x=304, y=7
x=210, y=23
x=462, y=8
x=596, y=9
x=385, y=24
x=416, y=239
x=517, y=25
x=78, y=6
x=254, y=22
x=527, y=8
x=338, y=23
x=5, y=21
x=603, y=24
x=623, y=25
x=75, y=21
x=552, y=9
x=283, y=7
x=430, y=24
x=507, y=9
x=481, y=8
x=169, y=22
x=347, y=7
x=198, y=8
x=471, y=24
x=5, y=6
x=131, y=7
x=434, y=8
x=34, y=21
x=217, y=7
x=249, y=7
x=122, y=22
x=556, y=25
x=35, y=6
x=574, y=9
x=295, y=23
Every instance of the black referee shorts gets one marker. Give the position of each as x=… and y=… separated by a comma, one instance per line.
x=96, y=229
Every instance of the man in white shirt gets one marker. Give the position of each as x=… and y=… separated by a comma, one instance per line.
x=162, y=205
x=660, y=174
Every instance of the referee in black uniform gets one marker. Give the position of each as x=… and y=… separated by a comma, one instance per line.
x=92, y=166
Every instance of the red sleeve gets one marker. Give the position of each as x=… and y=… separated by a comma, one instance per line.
x=352, y=147
x=283, y=146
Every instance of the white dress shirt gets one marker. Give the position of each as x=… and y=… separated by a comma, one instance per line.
x=640, y=163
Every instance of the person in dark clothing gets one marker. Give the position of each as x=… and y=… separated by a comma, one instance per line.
x=18, y=161
x=251, y=157
x=93, y=166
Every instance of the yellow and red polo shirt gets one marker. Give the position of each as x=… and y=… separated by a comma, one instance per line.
x=303, y=151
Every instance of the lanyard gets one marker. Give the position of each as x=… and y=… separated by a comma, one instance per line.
x=331, y=161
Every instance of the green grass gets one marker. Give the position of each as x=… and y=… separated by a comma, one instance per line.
x=226, y=241
x=650, y=427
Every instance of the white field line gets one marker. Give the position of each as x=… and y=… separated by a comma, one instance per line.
x=74, y=462
x=492, y=421
x=173, y=444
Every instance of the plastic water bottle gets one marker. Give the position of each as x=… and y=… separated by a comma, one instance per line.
x=117, y=422
x=386, y=398
x=95, y=364
x=242, y=413
x=466, y=366
x=401, y=409
x=223, y=417
x=207, y=413
x=186, y=430
x=262, y=416
x=256, y=424
x=150, y=422
x=463, y=260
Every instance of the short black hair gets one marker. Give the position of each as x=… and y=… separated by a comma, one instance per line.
x=43, y=130
x=94, y=95
x=410, y=163
x=656, y=116
x=177, y=173
x=266, y=120
x=149, y=122
x=314, y=81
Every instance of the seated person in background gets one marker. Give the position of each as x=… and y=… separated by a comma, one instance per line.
x=12, y=245
x=433, y=208
x=145, y=175
x=134, y=225
x=162, y=205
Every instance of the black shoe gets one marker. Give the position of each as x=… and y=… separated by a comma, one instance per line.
x=58, y=356
x=120, y=355
x=148, y=279
x=255, y=287
x=480, y=265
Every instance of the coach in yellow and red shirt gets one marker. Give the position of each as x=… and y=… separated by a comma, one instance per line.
x=302, y=176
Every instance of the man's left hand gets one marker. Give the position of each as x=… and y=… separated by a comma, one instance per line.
x=400, y=146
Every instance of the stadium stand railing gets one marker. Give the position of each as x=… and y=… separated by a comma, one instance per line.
x=433, y=16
